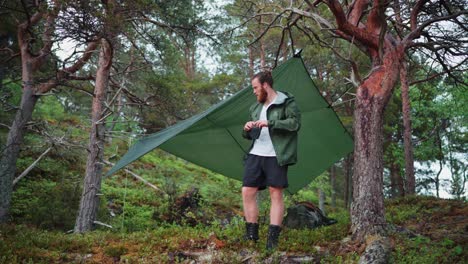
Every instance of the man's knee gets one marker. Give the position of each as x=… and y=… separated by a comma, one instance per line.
x=276, y=193
x=249, y=192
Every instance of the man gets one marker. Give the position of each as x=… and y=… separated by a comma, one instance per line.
x=275, y=121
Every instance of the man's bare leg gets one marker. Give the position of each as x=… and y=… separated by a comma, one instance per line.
x=249, y=199
x=276, y=217
x=277, y=206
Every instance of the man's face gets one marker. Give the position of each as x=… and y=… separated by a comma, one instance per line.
x=259, y=91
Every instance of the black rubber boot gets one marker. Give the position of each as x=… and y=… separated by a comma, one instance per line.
x=273, y=235
x=251, y=231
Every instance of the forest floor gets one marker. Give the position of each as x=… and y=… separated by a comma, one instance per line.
x=423, y=230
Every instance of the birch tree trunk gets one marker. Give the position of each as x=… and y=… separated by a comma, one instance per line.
x=89, y=203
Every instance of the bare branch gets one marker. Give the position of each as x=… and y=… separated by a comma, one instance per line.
x=90, y=93
x=415, y=12
x=349, y=30
x=23, y=31
x=102, y=224
x=416, y=31
x=138, y=177
x=26, y=171
x=268, y=27
x=66, y=73
x=356, y=10
x=433, y=76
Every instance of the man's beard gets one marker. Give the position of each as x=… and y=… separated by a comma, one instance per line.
x=262, y=96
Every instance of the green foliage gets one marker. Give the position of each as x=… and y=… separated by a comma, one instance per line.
x=115, y=251
x=46, y=204
x=424, y=250
x=165, y=242
x=439, y=243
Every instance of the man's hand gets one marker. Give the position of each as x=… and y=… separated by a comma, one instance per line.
x=261, y=123
x=249, y=125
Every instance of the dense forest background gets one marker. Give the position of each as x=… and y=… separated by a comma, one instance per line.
x=102, y=74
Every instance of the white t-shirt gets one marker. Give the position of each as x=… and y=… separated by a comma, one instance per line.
x=263, y=145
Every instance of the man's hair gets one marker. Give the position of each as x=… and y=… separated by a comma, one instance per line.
x=264, y=77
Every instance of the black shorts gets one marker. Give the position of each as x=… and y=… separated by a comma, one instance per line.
x=264, y=171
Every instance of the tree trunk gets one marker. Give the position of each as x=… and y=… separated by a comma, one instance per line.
x=396, y=183
x=262, y=49
x=348, y=180
x=284, y=47
x=15, y=139
x=441, y=164
x=409, y=160
x=367, y=209
x=322, y=201
x=333, y=185
x=251, y=62
x=192, y=60
x=30, y=64
x=89, y=204
x=262, y=55
x=437, y=180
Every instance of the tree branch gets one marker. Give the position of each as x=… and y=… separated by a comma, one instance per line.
x=45, y=51
x=23, y=31
x=416, y=31
x=355, y=11
x=278, y=15
x=415, y=12
x=25, y=172
x=66, y=73
x=138, y=177
x=433, y=76
x=345, y=28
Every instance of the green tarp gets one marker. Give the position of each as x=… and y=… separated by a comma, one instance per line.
x=213, y=139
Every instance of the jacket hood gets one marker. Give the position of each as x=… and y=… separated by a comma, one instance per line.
x=281, y=97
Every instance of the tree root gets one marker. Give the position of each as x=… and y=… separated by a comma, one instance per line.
x=377, y=250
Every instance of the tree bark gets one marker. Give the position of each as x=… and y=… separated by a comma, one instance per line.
x=31, y=61
x=251, y=62
x=367, y=209
x=262, y=50
x=262, y=55
x=23, y=115
x=437, y=179
x=396, y=183
x=322, y=201
x=441, y=164
x=89, y=203
x=409, y=159
x=333, y=185
x=284, y=47
x=348, y=180
x=15, y=139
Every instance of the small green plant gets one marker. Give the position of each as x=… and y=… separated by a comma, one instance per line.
x=115, y=251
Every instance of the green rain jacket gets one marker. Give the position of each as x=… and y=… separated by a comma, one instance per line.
x=284, y=122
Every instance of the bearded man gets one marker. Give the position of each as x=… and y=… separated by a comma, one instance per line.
x=273, y=129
